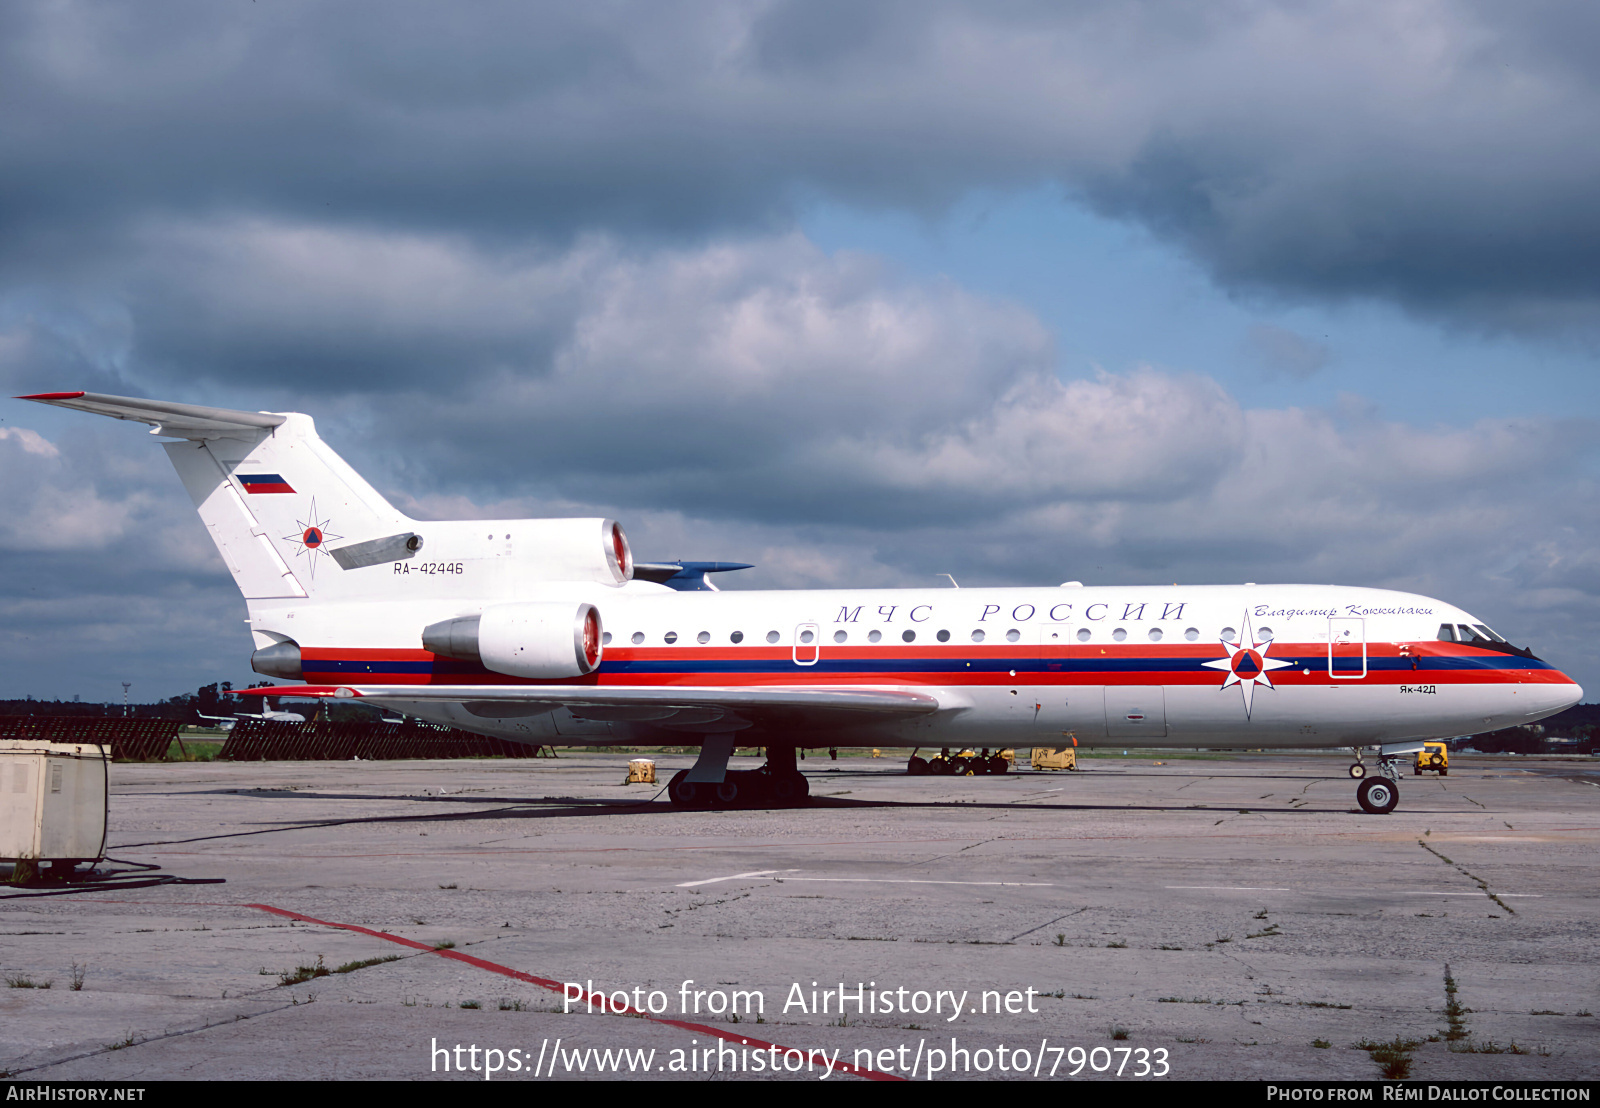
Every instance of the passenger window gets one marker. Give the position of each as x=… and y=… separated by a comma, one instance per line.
x=1192, y=634
x=1155, y=634
x=943, y=636
x=840, y=636
x=638, y=637
x=1264, y=634
x=605, y=639
x=908, y=636
x=671, y=637
x=1120, y=634
x=703, y=637
x=1084, y=634
x=773, y=636
x=977, y=636
x=1228, y=632
x=806, y=636
x=874, y=636
x=1013, y=635
x=736, y=637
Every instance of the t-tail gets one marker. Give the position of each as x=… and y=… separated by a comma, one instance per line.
x=296, y=525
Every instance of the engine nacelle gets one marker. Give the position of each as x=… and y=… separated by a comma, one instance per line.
x=569, y=549
x=544, y=640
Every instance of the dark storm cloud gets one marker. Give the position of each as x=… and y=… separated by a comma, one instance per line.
x=729, y=403
x=523, y=260
x=1440, y=154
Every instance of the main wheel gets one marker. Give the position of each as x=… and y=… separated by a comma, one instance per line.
x=1378, y=795
x=685, y=793
x=938, y=765
x=727, y=792
x=917, y=766
x=998, y=764
x=1357, y=770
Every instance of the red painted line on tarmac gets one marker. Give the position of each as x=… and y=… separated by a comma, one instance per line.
x=163, y=903
x=588, y=998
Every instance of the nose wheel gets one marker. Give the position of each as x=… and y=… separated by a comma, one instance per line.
x=1357, y=770
x=1378, y=795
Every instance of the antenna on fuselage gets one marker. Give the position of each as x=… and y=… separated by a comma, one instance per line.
x=952, y=579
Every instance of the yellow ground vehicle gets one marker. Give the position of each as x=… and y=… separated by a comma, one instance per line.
x=968, y=763
x=1433, y=756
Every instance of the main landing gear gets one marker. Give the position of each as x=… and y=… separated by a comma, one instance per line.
x=778, y=784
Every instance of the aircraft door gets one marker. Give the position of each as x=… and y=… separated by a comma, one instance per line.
x=1347, y=648
x=1135, y=712
x=807, y=644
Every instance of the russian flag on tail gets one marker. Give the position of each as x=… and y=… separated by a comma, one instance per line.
x=264, y=482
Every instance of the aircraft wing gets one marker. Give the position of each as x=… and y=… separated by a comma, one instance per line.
x=783, y=706
x=178, y=421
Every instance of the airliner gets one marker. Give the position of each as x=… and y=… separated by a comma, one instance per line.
x=226, y=723
x=546, y=631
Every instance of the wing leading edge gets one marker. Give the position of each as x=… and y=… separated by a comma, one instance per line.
x=891, y=701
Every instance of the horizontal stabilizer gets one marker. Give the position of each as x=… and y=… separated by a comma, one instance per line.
x=684, y=576
x=178, y=421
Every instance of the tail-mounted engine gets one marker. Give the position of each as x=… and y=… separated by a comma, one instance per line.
x=543, y=640
x=571, y=549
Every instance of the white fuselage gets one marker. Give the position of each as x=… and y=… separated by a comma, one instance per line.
x=1180, y=666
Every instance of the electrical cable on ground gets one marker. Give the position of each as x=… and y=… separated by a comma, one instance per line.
x=95, y=881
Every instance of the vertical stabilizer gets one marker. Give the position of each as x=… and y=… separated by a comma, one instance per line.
x=257, y=567
x=278, y=504
x=275, y=499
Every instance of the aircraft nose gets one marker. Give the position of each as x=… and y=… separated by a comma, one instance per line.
x=1558, y=696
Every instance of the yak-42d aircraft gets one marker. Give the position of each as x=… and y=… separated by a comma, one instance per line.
x=545, y=630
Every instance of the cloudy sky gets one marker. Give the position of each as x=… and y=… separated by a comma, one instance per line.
x=862, y=293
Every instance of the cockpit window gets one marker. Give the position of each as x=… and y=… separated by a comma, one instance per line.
x=1481, y=636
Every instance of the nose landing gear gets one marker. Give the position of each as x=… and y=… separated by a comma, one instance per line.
x=1378, y=794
